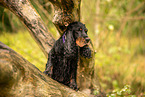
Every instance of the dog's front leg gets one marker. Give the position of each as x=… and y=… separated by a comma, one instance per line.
x=73, y=83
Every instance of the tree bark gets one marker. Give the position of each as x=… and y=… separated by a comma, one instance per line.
x=65, y=12
x=19, y=78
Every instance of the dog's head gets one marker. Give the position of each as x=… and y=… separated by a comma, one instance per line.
x=79, y=32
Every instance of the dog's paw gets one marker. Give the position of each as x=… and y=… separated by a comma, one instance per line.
x=73, y=86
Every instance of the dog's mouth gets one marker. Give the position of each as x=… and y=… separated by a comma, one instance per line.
x=82, y=41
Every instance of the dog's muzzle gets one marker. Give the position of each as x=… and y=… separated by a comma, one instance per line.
x=82, y=41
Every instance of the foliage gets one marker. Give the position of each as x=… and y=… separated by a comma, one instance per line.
x=9, y=22
x=118, y=65
x=125, y=91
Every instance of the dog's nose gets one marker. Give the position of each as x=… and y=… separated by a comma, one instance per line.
x=87, y=40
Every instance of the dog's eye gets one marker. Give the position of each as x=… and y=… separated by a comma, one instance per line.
x=80, y=29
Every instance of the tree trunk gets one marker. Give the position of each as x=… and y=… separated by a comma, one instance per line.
x=66, y=11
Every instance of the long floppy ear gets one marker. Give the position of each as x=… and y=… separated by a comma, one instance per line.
x=70, y=41
x=85, y=52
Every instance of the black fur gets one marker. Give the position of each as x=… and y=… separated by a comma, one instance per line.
x=63, y=57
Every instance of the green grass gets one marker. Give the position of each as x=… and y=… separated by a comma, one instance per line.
x=23, y=44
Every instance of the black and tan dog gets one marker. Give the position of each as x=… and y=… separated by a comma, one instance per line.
x=63, y=57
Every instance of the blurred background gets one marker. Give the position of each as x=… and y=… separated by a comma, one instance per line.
x=117, y=30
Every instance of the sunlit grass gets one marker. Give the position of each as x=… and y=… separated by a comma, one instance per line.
x=117, y=64
x=24, y=44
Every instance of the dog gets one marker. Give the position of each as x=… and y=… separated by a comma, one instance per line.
x=63, y=57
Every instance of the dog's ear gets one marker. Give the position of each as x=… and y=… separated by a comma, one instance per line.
x=69, y=36
x=85, y=52
x=69, y=42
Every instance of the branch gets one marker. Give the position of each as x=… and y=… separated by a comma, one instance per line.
x=28, y=15
x=19, y=78
x=125, y=19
